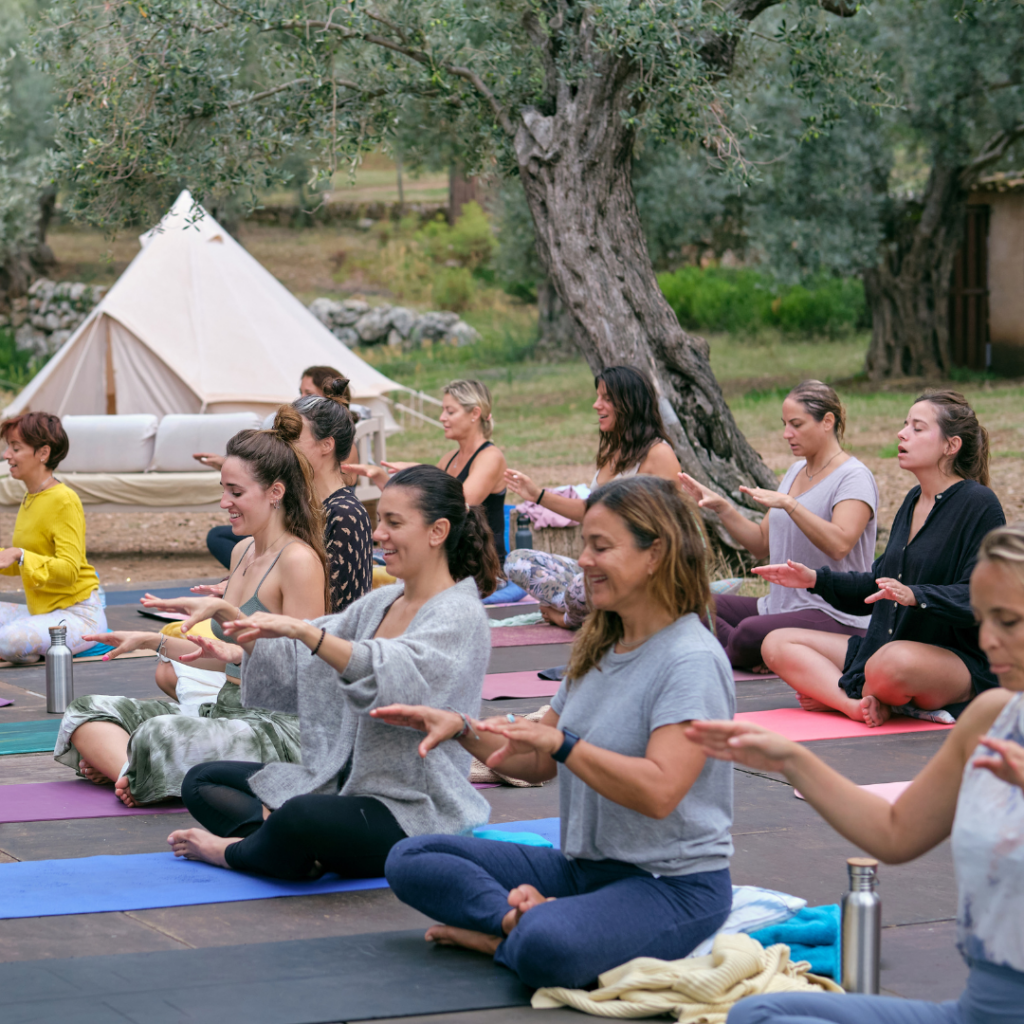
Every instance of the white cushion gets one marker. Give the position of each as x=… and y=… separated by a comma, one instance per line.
x=109, y=444
x=180, y=437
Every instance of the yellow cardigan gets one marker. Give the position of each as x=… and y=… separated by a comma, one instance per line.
x=50, y=529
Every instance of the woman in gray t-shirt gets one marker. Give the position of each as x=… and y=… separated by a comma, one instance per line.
x=822, y=514
x=643, y=868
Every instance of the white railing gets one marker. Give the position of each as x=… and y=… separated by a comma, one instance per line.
x=413, y=406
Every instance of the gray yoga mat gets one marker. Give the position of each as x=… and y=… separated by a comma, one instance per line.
x=306, y=981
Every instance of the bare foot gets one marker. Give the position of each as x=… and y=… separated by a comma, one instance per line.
x=762, y=669
x=810, y=704
x=874, y=711
x=521, y=899
x=198, y=844
x=123, y=793
x=93, y=774
x=445, y=935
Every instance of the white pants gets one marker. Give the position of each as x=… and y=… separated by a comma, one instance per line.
x=25, y=637
x=196, y=686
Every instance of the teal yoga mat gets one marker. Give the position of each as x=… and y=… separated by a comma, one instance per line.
x=36, y=737
x=141, y=881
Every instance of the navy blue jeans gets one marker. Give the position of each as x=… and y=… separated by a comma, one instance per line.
x=606, y=912
x=994, y=995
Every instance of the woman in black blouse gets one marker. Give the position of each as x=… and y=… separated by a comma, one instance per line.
x=328, y=434
x=921, y=650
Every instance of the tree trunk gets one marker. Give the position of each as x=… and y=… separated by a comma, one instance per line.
x=575, y=166
x=908, y=291
x=556, y=331
x=461, y=190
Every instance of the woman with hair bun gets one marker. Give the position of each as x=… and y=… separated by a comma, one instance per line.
x=477, y=463
x=823, y=512
x=144, y=747
x=633, y=442
x=47, y=547
x=360, y=786
x=920, y=656
x=643, y=868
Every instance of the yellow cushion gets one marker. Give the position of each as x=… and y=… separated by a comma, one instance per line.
x=173, y=629
x=381, y=577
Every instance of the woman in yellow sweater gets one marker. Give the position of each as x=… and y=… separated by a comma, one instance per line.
x=48, y=546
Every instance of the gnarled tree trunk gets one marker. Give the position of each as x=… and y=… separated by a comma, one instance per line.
x=908, y=291
x=575, y=167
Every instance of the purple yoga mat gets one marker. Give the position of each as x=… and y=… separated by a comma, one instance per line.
x=4, y=702
x=523, y=636
x=518, y=684
x=751, y=677
x=76, y=798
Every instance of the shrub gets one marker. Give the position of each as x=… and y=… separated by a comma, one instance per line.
x=453, y=289
x=469, y=242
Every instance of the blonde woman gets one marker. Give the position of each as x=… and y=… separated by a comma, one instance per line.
x=643, y=868
x=477, y=463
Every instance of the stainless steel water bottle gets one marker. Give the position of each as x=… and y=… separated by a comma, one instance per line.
x=60, y=684
x=862, y=928
x=524, y=536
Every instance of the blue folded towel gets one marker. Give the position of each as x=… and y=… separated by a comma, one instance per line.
x=812, y=934
x=509, y=594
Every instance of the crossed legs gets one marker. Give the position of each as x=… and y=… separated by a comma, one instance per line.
x=901, y=672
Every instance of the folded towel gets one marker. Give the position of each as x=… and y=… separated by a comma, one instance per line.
x=812, y=935
x=753, y=908
x=508, y=594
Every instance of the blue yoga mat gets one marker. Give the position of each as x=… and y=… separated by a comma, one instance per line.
x=141, y=881
x=28, y=737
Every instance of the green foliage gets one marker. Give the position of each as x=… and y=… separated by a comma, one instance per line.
x=453, y=288
x=469, y=242
x=17, y=366
x=745, y=301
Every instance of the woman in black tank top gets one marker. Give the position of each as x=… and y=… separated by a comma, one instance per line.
x=477, y=463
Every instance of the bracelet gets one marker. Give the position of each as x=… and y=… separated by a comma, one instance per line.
x=160, y=656
x=466, y=729
x=323, y=633
x=540, y=497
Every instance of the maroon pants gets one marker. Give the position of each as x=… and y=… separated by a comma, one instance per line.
x=742, y=631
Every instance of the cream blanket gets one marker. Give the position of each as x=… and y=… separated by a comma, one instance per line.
x=700, y=990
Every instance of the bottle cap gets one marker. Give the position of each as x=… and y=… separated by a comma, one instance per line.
x=58, y=632
x=862, y=865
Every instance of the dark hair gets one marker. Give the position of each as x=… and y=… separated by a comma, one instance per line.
x=638, y=423
x=322, y=375
x=819, y=400
x=652, y=509
x=271, y=455
x=957, y=419
x=470, y=542
x=329, y=417
x=38, y=429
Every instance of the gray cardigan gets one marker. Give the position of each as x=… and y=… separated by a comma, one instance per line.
x=440, y=661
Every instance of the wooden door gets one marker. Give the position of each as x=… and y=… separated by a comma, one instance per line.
x=968, y=296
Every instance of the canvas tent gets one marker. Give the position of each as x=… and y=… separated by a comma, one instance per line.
x=194, y=325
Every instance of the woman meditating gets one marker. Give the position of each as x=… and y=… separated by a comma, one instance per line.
x=477, y=463
x=971, y=790
x=360, y=786
x=920, y=655
x=146, y=746
x=823, y=514
x=644, y=863
x=47, y=547
x=633, y=441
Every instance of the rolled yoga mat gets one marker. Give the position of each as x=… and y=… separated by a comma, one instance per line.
x=804, y=726
x=142, y=881
x=75, y=798
x=304, y=981
x=36, y=737
x=524, y=636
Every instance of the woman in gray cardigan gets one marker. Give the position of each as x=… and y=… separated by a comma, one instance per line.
x=361, y=786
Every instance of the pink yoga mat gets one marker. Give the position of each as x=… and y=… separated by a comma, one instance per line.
x=60, y=801
x=522, y=602
x=800, y=725
x=523, y=636
x=518, y=684
x=750, y=677
x=890, y=791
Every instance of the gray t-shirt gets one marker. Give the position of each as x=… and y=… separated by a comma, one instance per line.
x=680, y=674
x=852, y=480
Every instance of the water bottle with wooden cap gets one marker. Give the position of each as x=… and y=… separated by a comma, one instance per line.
x=60, y=685
x=862, y=927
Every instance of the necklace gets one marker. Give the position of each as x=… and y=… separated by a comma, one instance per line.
x=823, y=468
x=42, y=487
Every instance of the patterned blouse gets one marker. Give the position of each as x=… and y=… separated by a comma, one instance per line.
x=349, y=548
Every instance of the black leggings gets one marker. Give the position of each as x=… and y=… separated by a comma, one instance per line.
x=305, y=836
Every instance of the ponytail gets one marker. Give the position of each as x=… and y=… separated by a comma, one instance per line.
x=469, y=546
x=271, y=456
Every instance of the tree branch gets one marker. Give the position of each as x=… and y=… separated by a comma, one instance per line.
x=992, y=151
x=839, y=8
x=256, y=97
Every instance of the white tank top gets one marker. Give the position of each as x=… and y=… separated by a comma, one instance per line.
x=988, y=854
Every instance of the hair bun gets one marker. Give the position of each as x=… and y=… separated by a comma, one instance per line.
x=287, y=424
x=337, y=388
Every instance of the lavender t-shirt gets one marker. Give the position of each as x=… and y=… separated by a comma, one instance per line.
x=852, y=480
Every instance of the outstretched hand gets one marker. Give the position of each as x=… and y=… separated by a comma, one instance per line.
x=770, y=499
x=377, y=475
x=742, y=743
x=788, y=574
x=437, y=723
x=892, y=590
x=522, y=737
x=1007, y=763
x=210, y=589
x=123, y=641
x=521, y=484
x=263, y=626
x=211, y=647
x=196, y=608
x=704, y=496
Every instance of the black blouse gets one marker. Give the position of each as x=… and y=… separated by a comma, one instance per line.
x=348, y=538
x=936, y=565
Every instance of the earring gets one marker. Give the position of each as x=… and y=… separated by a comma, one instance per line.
x=276, y=503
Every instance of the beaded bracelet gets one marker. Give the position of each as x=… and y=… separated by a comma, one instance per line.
x=323, y=633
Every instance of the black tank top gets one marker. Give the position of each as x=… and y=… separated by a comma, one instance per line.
x=493, y=504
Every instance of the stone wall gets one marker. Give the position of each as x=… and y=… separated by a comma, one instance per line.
x=354, y=322
x=45, y=318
